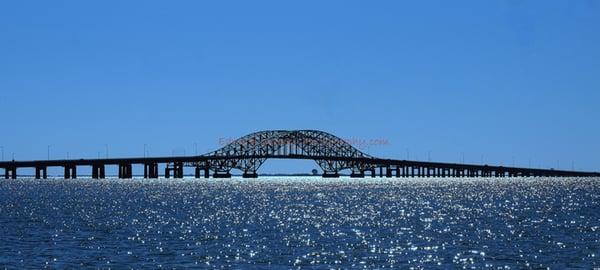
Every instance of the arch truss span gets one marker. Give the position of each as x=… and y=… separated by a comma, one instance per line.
x=249, y=152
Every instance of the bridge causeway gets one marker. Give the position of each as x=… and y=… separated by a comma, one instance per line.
x=248, y=153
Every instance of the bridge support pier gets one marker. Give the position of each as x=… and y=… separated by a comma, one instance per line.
x=178, y=173
x=10, y=173
x=125, y=171
x=250, y=175
x=201, y=172
x=222, y=174
x=98, y=171
x=70, y=172
x=388, y=172
x=177, y=170
x=154, y=171
x=151, y=170
x=41, y=172
x=357, y=174
x=327, y=174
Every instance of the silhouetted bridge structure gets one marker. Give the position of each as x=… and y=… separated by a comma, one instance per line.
x=248, y=153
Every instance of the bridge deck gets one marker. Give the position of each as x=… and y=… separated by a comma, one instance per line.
x=439, y=168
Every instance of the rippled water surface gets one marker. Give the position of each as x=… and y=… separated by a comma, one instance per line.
x=300, y=222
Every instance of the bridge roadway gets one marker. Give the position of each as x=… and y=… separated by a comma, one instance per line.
x=203, y=164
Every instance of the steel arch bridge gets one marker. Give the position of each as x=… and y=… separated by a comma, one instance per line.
x=249, y=152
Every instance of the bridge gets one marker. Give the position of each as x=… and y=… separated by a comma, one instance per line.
x=249, y=152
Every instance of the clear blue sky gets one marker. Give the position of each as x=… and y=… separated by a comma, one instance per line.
x=501, y=79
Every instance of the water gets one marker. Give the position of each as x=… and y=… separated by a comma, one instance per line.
x=300, y=222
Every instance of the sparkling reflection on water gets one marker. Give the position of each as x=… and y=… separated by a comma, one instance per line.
x=294, y=222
